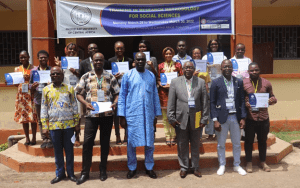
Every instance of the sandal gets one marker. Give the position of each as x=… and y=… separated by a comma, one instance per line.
x=77, y=143
x=168, y=141
x=119, y=142
x=173, y=141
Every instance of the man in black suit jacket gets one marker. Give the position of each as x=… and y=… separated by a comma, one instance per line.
x=119, y=57
x=87, y=64
x=228, y=111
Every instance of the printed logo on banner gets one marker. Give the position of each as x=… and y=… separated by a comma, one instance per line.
x=81, y=15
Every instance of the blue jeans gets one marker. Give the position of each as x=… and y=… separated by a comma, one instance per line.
x=61, y=139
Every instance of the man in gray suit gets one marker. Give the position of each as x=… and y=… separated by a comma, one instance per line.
x=187, y=98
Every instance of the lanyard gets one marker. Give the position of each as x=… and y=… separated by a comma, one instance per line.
x=122, y=60
x=24, y=68
x=92, y=65
x=100, y=82
x=169, y=67
x=179, y=56
x=255, y=88
x=228, y=89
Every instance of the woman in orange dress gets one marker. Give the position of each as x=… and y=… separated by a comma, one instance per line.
x=168, y=66
x=24, y=106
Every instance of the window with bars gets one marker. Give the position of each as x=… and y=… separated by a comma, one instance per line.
x=286, y=40
x=11, y=44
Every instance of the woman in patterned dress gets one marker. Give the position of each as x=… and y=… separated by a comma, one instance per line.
x=168, y=66
x=24, y=106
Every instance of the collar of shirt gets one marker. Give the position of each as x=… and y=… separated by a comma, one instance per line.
x=47, y=68
x=182, y=58
x=231, y=79
x=90, y=60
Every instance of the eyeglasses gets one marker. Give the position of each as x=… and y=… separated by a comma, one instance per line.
x=189, y=67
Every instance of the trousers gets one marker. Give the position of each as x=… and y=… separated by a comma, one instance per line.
x=261, y=129
x=90, y=130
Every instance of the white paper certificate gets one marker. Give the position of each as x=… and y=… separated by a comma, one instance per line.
x=101, y=107
x=121, y=67
x=242, y=64
x=166, y=78
x=200, y=65
x=14, y=78
x=70, y=62
x=259, y=100
x=218, y=57
x=41, y=76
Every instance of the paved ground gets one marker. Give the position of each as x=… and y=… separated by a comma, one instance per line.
x=284, y=174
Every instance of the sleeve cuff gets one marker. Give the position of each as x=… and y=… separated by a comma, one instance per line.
x=215, y=119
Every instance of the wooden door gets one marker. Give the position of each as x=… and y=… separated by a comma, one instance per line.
x=263, y=55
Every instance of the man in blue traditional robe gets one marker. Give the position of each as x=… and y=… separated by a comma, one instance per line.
x=138, y=105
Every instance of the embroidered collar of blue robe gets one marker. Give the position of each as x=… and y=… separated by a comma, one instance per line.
x=139, y=104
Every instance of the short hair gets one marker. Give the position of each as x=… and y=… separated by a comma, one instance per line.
x=188, y=62
x=219, y=45
x=138, y=53
x=119, y=42
x=253, y=63
x=196, y=47
x=240, y=44
x=181, y=40
x=42, y=52
x=226, y=60
x=24, y=51
x=166, y=49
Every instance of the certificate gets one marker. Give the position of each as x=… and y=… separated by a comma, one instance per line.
x=240, y=64
x=119, y=67
x=147, y=53
x=14, y=78
x=101, y=107
x=200, y=65
x=215, y=57
x=165, y=78
x=182, y=62
x=70, y=62
x=259, y=100
x=41, y=76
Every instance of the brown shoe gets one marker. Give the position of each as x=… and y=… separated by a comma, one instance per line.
x=265, y=167
x=197, y=173
x=183, y=173
x=249, y=167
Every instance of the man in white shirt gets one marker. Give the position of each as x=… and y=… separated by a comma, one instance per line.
x=181, y=49
x=240, y=50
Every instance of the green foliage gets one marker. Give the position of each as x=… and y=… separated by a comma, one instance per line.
x=288, y=136
x=3, y=146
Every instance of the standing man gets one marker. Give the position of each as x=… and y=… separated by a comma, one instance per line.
x=181, y=49
x=137, y=107
x=187, y=98
x=227, y=104
x=119, y=57
x=97, y=85
x=240, y=50
x=87, y=64
x=37, y=89
x=59, y=114
x=258, y=118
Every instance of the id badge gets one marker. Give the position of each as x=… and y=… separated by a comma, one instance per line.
x=24, y=88
x=254, y=109
x=229, y=104
x=191, y=102
x=100, y=95
x=40, y=88
x=72, y=80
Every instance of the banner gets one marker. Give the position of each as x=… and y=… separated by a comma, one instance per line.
x=77, y=19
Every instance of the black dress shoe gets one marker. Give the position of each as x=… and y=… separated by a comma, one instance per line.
x=82, y=179
x=151, y=174
x=57, y=179
x=73, y=178
x=183, y=174
x=131, y=173
x=103, y=175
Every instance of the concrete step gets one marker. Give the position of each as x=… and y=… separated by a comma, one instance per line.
x=23, y=162
x=160, y=146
